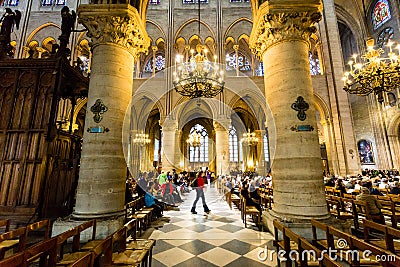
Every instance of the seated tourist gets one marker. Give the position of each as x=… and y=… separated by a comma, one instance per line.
x=372, y=190
x=167, y=192
x=152, y=202
x=396, y=188
x=246, y=194
x=373, y=205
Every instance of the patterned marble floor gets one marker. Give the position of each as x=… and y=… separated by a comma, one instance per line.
x=217, y=239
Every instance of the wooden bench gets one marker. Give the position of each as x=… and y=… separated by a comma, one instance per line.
x=45, y=251
x=41, y=228
x=6, y=225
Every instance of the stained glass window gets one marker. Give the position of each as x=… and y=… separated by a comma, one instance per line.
x=160, y=64
x=260, y=70
x=365, y=152
x=384, y=36
x=154, y=2
x=156, y=148
x=60, y=2
x=315, y=68
x=85, y=64
x=12, y=2
x=200, y=153
x=47, y=2
x=380, y=13
x=233, y=145
x=244, y=64
x=195, y=1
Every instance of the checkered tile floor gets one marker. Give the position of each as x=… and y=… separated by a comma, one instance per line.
x=218, y=239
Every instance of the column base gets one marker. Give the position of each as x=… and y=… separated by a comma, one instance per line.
x=89, y=216
x=303, y=226
x=103, y=228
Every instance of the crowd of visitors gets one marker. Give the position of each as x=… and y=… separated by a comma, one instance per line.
x=367, y=186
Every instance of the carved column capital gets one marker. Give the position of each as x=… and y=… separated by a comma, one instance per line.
x=285, y=21
x=222, y=124
x=115, y=24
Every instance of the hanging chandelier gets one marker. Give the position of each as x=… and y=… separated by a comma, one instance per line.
x=194, y=139
x=141, y=139
x=373, y=73
x=249, y=138
x=198, y=76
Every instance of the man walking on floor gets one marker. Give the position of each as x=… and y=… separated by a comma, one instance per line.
x=198, y=184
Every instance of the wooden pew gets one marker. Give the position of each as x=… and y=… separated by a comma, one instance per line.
x=42, y=228
x=6, y=225
x=62, y=241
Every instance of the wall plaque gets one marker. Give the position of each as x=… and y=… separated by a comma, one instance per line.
x=97, y=129
x=302, y=128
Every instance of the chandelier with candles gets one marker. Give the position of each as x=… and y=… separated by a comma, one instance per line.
x=194, y=139
x=373, y=72
x=197, y=76
x=249, y=138
x=141, y=139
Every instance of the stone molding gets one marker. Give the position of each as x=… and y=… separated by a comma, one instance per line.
x=272, y=26
x=120, y=25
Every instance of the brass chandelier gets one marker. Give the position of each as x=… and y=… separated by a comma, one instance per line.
x=198, y=76
x=373, y=73
x=141, y=139
x=249, y=138
x=194, y=139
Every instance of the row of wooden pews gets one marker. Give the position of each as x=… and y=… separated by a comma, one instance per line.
x=66, y=249
x=329, y=247
x=347, y=207
x=346, y=248
x=137, y=210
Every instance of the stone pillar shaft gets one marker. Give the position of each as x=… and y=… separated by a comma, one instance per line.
x=222, y=150
x=103, y=168
x=280, y=36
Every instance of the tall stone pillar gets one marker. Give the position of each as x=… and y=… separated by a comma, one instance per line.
x=222, y=147
x=280, y=36
x=261, y=166
x=118, y=35
x=170, y=135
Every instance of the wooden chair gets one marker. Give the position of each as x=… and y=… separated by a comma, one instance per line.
x=305, y=248
x=139, y=244
x=85, y=261
x=282, y=243
x=123, y=256
x=89, y=226
x=389, y=210
x=250, y=210
x=12, y=239
x=102, y=253
x=386, y=236
x=62, y=240
x=130, y=213
x=16, y=260
x=41, y=228
x=5, y=224
x=326, y=240
x=45, y=251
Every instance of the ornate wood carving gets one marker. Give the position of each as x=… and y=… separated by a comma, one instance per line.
x=38, y=164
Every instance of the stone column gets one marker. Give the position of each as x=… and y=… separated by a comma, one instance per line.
x=261, y=168
x=222, y=147
x=169, y=146
x=280, y=36
x=118, y=35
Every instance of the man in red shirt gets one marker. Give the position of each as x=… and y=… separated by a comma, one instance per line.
x=198, y=184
